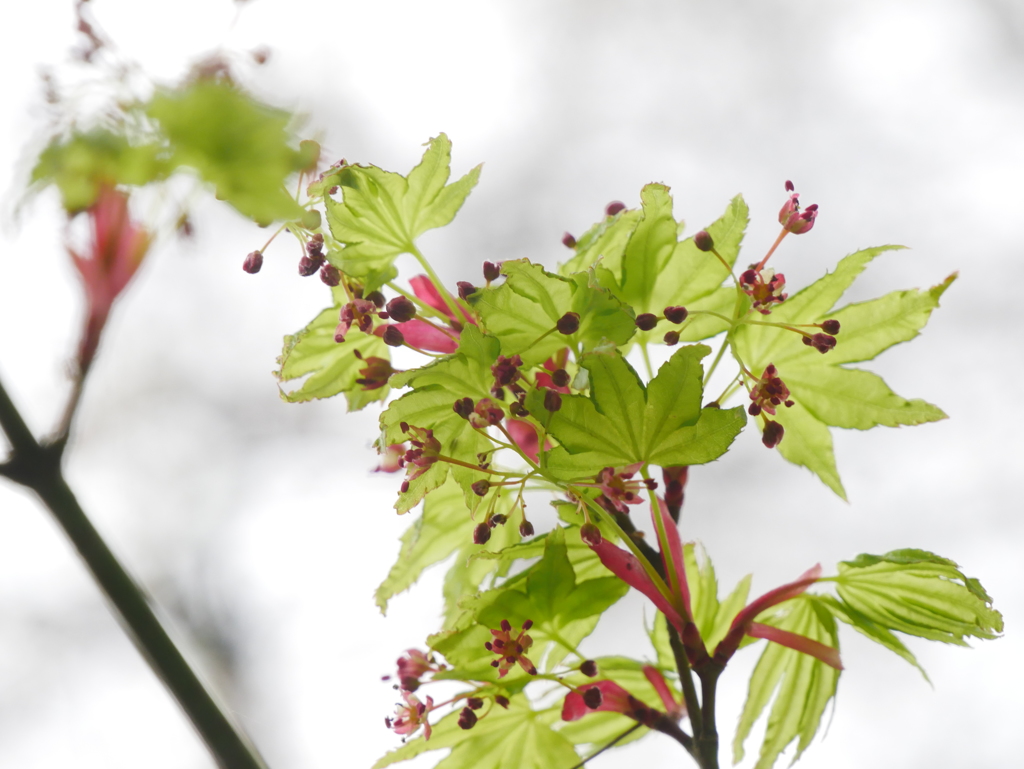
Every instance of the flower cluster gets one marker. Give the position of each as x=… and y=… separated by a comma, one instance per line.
x=424, y=453
x=769, y=393
x=511, y=650
x=765, y=287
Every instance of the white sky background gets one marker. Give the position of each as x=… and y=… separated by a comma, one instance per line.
x=257, y=524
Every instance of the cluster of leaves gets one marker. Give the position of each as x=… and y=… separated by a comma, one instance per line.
x=530, y=388
x=527, y=383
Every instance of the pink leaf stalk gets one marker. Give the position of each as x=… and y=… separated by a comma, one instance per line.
x=426, y=336
x=675, y=562
x=826, y=654
x=626, y=567
x=116, y=250
x=741, y=624
x=609, y=697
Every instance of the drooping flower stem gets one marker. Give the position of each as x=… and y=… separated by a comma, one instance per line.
x=38, y=467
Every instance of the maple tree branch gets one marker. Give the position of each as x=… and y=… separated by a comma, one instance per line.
x=38, y=467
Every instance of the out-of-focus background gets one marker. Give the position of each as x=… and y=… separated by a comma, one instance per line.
x=259, y=527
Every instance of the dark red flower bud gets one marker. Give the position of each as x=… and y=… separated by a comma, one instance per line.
x=552, y=400
x=501, y=700
x=593, y=698
x=464, y=407
x=491, y=271
x=676, y=314
x=496, y=520
x=480, y=488
x=526, y=529
x=393, y=337
x=614, y=207
x=646, y=321
x=703, y=240
x=568, y=323
x=308, y=265
x=465, y=289
x=377, y=298
x=589, y=668
x=517, y=410
x=753, y=409
x=475, y=703
x=315, y=247
x=467, y=718
x=330, y=274
x=253, y=262
x=671, y=338
x=772, y=435
x=590, y=534
x=401, y=309
x=568, y=240
x=561, y=378
x=481, y=534
x=830, y=327
x=820, y=342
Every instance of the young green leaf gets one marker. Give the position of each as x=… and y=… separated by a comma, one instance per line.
x=827, y=394
x=329, y=367
x=564, y=611
x=802, y=684
x=918, y=593
x=444, y=527
x=623, y=422
x=604, y=243
x=382, y=213
x=524, y=310
x=880, y=635
x=80, y=164
x=240, y=146
x=436, y=387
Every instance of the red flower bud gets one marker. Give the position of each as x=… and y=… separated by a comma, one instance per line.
x=525, y=529
x=568, y=241
x=591, y=535
x=480, y=488
x=593, y=698
x=481, y=534
x=253, y=262
x=568, y=323
x=676, y=314
x=589, y=668
x=671, y=338
x=560, y=378
x=401, y=309
x=646, y=321
x=467, y=718
x=552, y=400
x=614, y=207
x=703, y=240
x=491, y=271
x=330, y=274
x=830, y=327
x=772, y=435
x=393, y=337
x=465, y=289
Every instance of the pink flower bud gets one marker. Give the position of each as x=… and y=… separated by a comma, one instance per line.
x=568, y=240
x=614, y=207
x=330, y=275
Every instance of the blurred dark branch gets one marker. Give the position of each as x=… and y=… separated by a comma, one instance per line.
x=38, y=467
